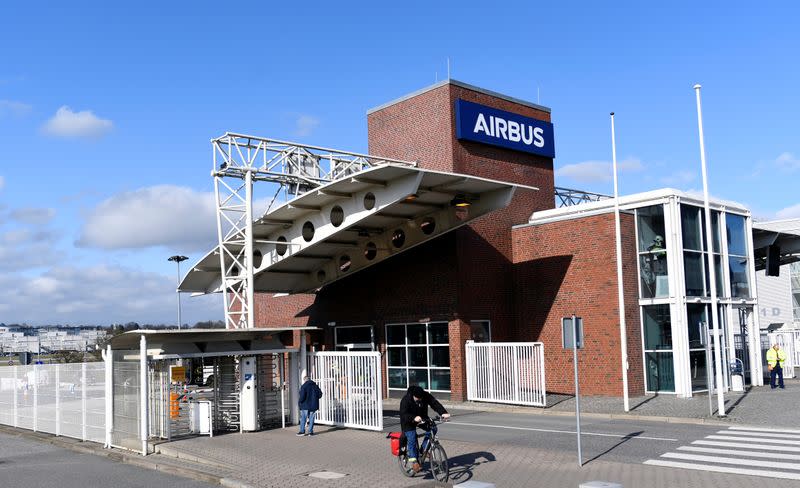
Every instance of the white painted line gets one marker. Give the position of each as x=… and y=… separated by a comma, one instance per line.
x=747, y=446
x=723, y=469
x=739, y=452
x=765, y=435
x=756, y=463
x=553, y=431
x=766, y=429
x=750, y=439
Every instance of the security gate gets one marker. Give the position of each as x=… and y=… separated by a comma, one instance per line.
x=786, y=341
x=506, y=372
x=351, y=388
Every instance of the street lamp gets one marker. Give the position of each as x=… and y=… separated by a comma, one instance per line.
x=178, y=258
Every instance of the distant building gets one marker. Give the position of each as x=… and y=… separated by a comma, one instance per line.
x=49, y=339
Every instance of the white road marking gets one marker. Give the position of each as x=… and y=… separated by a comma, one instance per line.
x=756, y=463
x=553, y=431
x=735, y=452
x=782, y=442
x=747, y=446
x=765, y=435
x=766, y=429
x=723, y=469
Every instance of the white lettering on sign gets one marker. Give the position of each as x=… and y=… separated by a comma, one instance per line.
x=509, y=130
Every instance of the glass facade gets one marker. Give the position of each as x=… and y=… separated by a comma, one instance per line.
x=794, y=270
x=654, y=281
x=675, y=310
x=418, y=354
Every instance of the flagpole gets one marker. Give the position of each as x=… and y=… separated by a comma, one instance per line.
x=712, y=270
x=623, y=334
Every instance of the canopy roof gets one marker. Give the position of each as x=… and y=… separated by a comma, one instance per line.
x=352, y=223
x=785, y=234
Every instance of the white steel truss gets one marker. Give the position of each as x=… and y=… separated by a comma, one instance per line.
x=240, y=161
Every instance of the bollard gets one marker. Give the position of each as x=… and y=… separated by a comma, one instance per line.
x=599, y=484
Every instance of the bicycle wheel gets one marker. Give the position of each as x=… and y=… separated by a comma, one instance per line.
x=440, y=467
x=405, y=466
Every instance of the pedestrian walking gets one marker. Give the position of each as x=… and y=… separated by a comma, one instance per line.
x=775, y=359
x=309, y=404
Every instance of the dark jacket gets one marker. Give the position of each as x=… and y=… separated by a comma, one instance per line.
x=410, y=409
x=309, y=396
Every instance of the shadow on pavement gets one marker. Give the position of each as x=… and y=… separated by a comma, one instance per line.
x=648, y=399
x=621, y=442
x=461, y=466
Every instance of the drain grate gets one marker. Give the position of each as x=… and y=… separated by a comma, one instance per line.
x=327, y=475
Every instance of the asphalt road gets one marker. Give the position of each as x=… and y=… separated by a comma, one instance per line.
x=627, y=441
x=30, y=463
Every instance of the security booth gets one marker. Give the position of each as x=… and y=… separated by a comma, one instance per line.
x=174, y=383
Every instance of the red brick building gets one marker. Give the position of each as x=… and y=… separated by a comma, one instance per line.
x=486, y=280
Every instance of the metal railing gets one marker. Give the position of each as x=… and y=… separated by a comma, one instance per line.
x=351, y=389
x=506, y=372
x=566, y=197
x=61, y=399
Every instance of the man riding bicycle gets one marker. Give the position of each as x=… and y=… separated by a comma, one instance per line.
x=413, y=410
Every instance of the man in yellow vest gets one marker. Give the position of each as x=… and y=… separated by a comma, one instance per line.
x=775, y=359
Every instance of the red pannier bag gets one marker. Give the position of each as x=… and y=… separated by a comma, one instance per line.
x=395, y=442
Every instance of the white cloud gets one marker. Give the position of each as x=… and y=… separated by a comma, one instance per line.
x=33, y=215
x=791, y=212
x=66, y=123
x=305, y=125
x=597, y=171
x=787, y=161
x=98, y=295
x=22, y=249
x=176, y=217
x=679, y=178
x=14, y=107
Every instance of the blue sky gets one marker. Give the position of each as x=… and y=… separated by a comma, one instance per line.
x=106, y=112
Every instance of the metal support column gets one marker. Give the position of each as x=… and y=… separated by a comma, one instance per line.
x=143, y=393
x=58, y=399
x=83, y=401
x=109, y=393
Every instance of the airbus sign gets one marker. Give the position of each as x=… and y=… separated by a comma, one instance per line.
x=479, y=123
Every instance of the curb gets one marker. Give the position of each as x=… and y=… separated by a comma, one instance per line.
x=557, y=413
x=234, y=483
x=116, y=455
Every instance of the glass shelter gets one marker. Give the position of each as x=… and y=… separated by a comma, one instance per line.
x=675, y=291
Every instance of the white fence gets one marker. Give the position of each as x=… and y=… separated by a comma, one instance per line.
x=61, y=399
x=506, y=372
x=351, y=388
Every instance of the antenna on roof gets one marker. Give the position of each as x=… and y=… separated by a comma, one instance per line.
x=448, y=67
x=436, y=76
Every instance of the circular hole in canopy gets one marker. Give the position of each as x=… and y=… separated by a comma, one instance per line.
x=398, y=238
x=308, y=231
x=321, y=276
x=257, y=258
x=281, y=248
x=428, y=225
x=370, y=251
x=369, y=201
x=337, y=216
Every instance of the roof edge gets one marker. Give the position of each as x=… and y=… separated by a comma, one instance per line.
x=461, y=84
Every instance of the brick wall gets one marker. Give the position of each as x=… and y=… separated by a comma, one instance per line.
x=569, y=267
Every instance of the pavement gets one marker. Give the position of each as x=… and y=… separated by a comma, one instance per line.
x=663, y=442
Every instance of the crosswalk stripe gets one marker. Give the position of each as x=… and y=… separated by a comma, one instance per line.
x=750, y=439
x=723, y=469
x=766, y=435
x=756, y=463
x=737, y=452
x=747, y=446
x=766, y=429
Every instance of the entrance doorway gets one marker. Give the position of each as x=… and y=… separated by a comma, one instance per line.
x=352, y=338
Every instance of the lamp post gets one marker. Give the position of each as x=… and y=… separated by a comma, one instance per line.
x=178, y=258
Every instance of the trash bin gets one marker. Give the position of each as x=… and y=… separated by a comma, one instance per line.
x=737, y=375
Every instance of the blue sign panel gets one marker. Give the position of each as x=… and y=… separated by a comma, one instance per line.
x=479, y=123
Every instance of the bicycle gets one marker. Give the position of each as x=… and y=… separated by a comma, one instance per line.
x=430, y=449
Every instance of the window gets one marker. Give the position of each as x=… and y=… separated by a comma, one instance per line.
x=695, y=256
x=481, y=330
x=354, y=338
x=737, y=256
x=418, y=354
x=658, y=348
x=652, y=252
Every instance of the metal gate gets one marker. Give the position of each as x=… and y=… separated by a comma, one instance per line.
x=351, y=388
x=506, y=372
